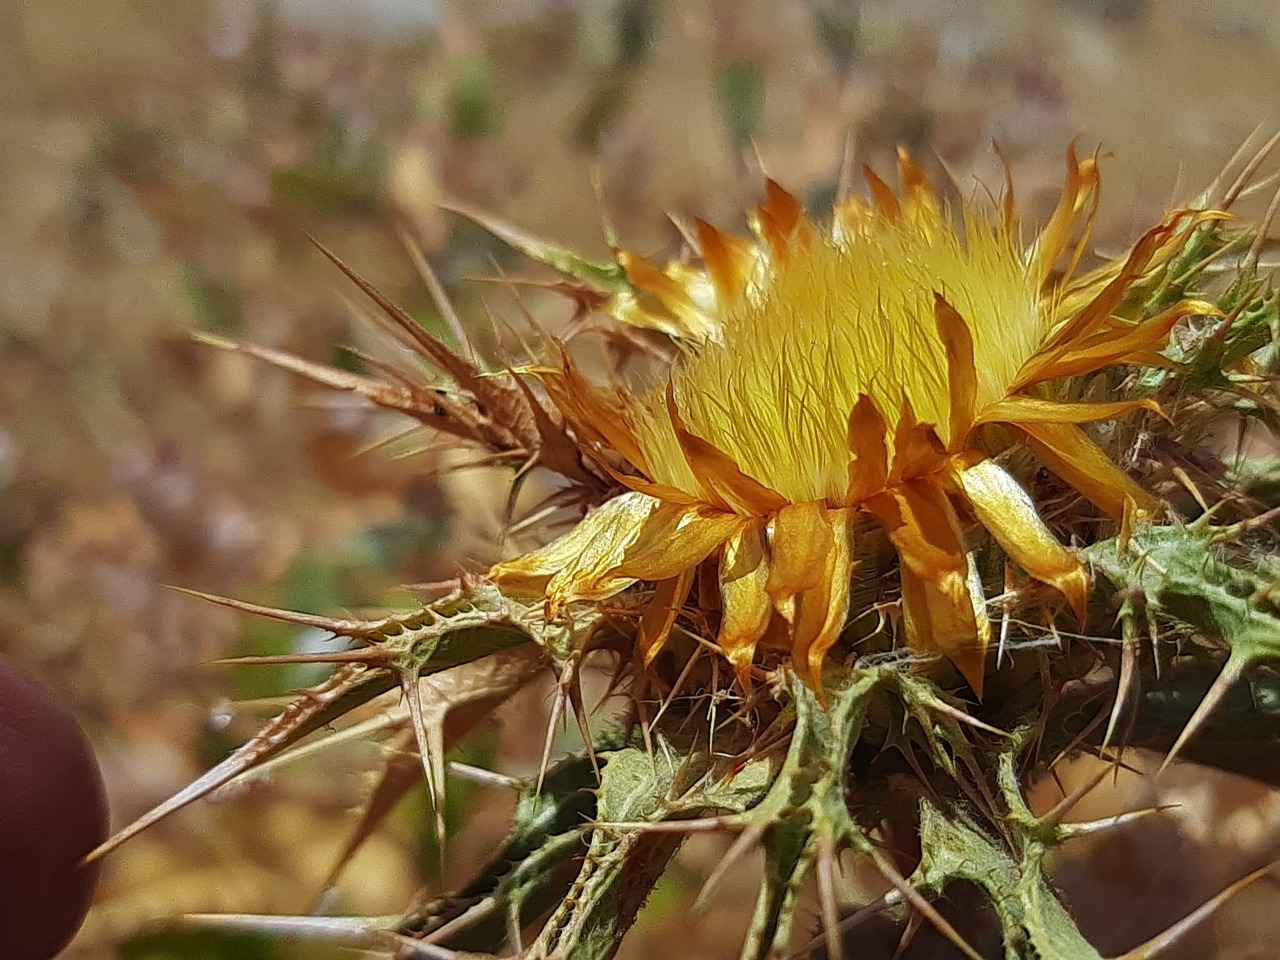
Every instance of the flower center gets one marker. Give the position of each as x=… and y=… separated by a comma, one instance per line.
x=840, y=316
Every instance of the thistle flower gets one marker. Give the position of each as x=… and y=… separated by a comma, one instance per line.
x=828, y=374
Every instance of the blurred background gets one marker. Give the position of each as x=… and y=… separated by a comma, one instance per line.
x=162, y=163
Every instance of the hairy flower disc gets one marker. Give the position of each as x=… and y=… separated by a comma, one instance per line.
x=831, y=373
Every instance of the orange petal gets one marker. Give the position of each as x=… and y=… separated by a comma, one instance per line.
x=1070, y=454
x=1004, y=508
x=1155, y=247
x=1081, y=183
x=918, y=193
x=660, y=615
x=1020, y=409
x=591, y=409
x=821, y=611
x=869, y=465
x=778, y=219
x=916, y=447
x=744, y=572
x=717, y=471
x=941, y=612
x=1111, y=346
x=728, y=261
x=923, y=527
x=798, y=549
x=582, y=564
x=962, y=380
x=938, y=617
x=882, y=195
x=674, y=538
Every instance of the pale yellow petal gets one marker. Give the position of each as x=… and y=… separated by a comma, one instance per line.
x=1076, y=459
x=798, y=548
x=747, y=607
x=660, y=615
x=582, y=564
x=941, y=613
x=1020, y=409
x=1004, y=508
x=676, y=537
x=821, y=611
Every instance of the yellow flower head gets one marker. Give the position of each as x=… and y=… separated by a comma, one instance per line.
x=828, y=373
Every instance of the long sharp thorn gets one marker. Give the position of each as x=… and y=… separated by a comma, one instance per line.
x=1086, y=828
x=299, y=718
x=557, y=712
x=828, y=866
x=960, y=716
x=1128, y=669
x=359, y=655
x=702, y=825
x=1235, y=158
x=915, y=920
x=436, y=289
x=737, y=850
x=890, y=899
x=680, y=681
x=1249, y=170
x=1168, y=937
x=429, y=733
x=580, y=714
x=1064, y=806
x=367, y=932
x=1264, y=227
x=1226, y=680
x=916, y=899
x=344, y=628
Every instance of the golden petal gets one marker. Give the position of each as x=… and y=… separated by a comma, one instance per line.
x=744, y=572
x=717, y=471
x=962, y=382
x=1152, y=249
x=923, y=527
x=798, y=548
x=941, y=612
x=660, y=615
x=1112, y=346
x=1004, y=508
x=1075, y=458
x=1081, y=184
x=582, y=564
x=821, y=611
x=676, y=537
x=917, y=450
x=869, y=463
x=938, y=616
x=1020, y=409
x=728, y=260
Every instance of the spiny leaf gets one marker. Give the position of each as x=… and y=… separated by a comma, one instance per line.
x=349, y=686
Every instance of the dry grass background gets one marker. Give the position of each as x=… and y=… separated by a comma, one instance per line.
x=161, y=163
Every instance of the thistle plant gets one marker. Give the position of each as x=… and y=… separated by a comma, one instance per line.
x=874, y=521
